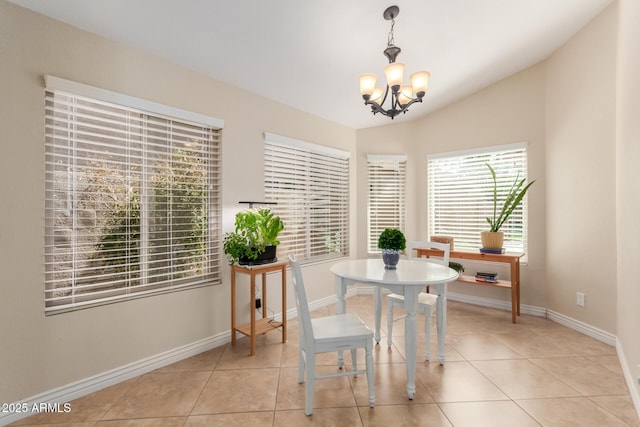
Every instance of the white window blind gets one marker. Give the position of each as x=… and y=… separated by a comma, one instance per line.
x=132, y=201
x=387, y=177
x=310, y=185
x=460, y=195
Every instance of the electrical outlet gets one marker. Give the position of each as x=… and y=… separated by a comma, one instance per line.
x=258, y=303
x=580, y=299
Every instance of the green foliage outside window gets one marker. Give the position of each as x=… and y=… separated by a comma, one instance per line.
x=176, y=231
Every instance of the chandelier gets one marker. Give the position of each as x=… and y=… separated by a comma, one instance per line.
x=400, y=95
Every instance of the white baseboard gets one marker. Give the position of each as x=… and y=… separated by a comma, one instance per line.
x=485, y=302
x=629, y=379
x=562, y=319
x=97, y=382
x=582, y=327
x=531, y=310
x=567, y=321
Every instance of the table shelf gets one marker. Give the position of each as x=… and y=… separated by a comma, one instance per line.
x=513, y=259
x=472, y=279
x=263, y=326
x=258, y=326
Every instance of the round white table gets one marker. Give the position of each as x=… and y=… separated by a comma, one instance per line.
x=408, y=279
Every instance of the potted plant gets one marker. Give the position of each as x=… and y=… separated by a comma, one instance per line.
x=255, y=238
x=493, y=238
x=456, y=266
x=391, y=241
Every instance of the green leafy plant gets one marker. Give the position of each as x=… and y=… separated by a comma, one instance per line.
x=255, y=229
x=270, y=227
x=392, y=238
x=513, y=199
x=456, y=266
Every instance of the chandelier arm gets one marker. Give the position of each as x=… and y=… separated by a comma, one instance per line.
x=376, y=108
x=395, y=109
x=403, y=109
x=396, y=105
x=384, y=98
x=413, y=101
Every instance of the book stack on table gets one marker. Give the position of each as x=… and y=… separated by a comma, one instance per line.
x=486, y=277
x=491, y=251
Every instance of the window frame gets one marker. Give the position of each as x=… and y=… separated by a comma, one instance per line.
x=79, y=294
x=477, y=188
x=309, y=187
x=386, y=183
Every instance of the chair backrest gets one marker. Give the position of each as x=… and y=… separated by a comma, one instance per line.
x=304, y=317
x=444, y=247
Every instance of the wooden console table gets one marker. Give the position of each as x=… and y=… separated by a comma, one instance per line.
x=264, y=325
x=513, y=259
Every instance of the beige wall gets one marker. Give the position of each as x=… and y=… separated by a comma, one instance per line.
x=385, y=140
x=580, y=172
x=38, y=353
x=564, y=108
x=628, y=189
x=507, y=112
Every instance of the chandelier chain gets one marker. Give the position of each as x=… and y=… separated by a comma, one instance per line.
x=390, y=40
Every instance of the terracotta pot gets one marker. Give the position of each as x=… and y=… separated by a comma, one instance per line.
x=492, y=239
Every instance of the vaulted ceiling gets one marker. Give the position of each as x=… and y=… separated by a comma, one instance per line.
x=309, y=54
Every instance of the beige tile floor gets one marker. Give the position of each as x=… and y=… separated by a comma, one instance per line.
x=534, y=373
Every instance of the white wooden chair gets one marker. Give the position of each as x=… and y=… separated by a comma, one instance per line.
x=328, y=334
x=425, y=300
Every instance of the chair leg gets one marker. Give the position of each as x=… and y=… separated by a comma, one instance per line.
x=310, y=384
x=369, y=361
x=354, y=360
x=390, y=323
x=427, y=333
x=301, y=366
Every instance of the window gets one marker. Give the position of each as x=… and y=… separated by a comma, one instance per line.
x=310, y=185
x=386, y=207
x=460, y=195
x=132, y=198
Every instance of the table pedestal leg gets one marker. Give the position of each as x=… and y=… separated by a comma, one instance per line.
x=410, y=339
x=441, y=321
x=377, y=304
x=410, y=349
x=341, y=308
x=341, y=290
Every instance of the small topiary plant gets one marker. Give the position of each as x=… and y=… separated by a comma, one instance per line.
x=393, y=239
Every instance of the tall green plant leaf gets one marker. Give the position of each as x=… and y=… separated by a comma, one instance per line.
x=513, y=199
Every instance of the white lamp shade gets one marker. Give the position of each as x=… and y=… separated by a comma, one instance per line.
x=405, y=95
x=394, y=72
x=420, y=82
x=377, y=94
x=367, y=83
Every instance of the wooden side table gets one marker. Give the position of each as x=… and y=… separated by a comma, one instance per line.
x=513, y=259
x=264, y=325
